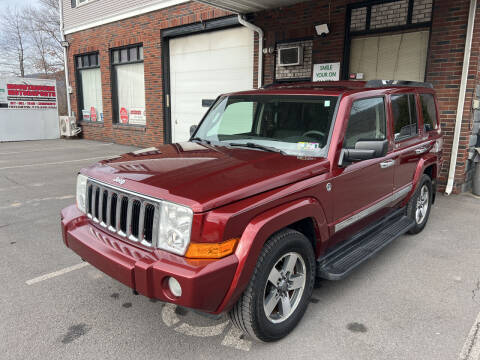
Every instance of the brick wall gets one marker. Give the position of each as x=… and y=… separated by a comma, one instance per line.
x=144, y=29
x=389, y=14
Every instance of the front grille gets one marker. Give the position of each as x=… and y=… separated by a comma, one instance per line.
x=131, y=216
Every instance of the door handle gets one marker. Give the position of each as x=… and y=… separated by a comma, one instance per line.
x=387, y=164
x=421, y=150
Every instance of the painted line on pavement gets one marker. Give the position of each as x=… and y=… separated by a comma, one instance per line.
x=471, y=348
x=56, y=273
x=56, y=162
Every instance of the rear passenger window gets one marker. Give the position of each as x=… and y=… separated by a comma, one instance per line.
x=404, y=116
x=429, y=112
x=367, y=122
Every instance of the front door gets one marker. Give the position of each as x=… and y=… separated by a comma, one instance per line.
x=362, y=189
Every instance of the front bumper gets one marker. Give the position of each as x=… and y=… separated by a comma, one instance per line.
x=204, y=282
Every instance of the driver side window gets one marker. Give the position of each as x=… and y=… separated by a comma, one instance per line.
x=367, y=121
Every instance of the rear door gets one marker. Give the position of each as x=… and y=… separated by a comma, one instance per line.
x=361, y=188
x=409, y=147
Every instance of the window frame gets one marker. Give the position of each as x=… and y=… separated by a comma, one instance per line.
x=115, y=109
x=78, y=80
x=436, y=120
x=386, y=115
x=411, y=136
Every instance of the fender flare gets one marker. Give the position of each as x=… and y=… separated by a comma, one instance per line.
x=420, y=170
x=257, y=233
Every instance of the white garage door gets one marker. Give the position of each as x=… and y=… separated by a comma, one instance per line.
x=390, y=57
x=204, y=66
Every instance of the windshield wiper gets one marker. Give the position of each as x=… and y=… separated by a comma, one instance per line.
x=208, y=142
x=258, y=146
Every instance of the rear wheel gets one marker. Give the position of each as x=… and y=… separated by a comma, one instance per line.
x=279, y=291
x=420, y=205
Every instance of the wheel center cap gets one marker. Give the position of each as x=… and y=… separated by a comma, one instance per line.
x=283, y=286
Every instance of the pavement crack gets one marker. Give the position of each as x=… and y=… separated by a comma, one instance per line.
x=476, y=291
x=466, y=354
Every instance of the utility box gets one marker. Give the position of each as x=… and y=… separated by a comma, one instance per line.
x=28, y=109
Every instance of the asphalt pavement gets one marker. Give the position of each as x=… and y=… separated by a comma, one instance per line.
x=418, y=299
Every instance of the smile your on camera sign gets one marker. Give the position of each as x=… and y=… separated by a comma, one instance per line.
x=326, y=72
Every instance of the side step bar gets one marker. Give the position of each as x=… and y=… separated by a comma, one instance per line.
x=339, y=262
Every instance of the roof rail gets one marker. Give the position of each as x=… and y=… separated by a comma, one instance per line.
x=393, y=83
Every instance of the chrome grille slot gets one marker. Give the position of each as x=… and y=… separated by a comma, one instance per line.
x=129, y=215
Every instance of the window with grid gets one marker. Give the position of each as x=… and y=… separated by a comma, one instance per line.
x=89, y=87
x=129, y=85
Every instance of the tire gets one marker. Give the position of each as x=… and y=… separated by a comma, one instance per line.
x=249, y=314
x=420, y=204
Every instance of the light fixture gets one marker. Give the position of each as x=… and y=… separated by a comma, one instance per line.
x=322, y=30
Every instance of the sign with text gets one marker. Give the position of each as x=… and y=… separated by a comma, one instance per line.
x=326, y=72
x=30, y=94
x=123, y=115
x=137, y=116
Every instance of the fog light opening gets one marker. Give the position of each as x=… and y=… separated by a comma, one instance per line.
x=174, y=287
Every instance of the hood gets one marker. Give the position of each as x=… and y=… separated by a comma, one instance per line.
x=202, y=176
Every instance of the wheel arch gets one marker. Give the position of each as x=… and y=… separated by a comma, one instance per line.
x=305, y=215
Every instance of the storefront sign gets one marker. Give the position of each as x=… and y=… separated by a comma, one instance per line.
x=123, y=116
x=27, y=94
x=3, y=94
x=93, y=114
x=137, y=116
x=326, y=72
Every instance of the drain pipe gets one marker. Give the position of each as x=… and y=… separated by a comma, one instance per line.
x=461, y=98
x=259, y=31
x=65, y=57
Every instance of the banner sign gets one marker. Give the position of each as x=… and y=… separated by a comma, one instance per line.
x=27, y=93
x=326, y=72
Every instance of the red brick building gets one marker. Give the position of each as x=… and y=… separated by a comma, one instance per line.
x=143, y=74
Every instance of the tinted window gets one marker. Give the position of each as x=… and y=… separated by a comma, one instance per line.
x=366, y=122
x=429, y=112
x=404, y=116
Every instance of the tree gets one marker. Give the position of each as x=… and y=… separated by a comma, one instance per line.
x=14, y=41
x=43, y=24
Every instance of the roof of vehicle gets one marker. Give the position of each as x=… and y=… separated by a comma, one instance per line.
x=335, y=88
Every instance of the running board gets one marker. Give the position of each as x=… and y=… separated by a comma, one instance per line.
x=338, y=263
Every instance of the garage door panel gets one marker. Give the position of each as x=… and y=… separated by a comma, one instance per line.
x=212, y=59
x=203, y=66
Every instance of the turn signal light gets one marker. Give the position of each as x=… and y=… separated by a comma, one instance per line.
x=211, y=251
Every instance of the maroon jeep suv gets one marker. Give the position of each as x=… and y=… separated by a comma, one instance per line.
x=276, y=186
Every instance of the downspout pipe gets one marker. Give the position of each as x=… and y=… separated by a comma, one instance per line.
x=65, y=58
x=260, y=33
x=461, y=98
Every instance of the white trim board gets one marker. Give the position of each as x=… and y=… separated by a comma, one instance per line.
x=124, y=15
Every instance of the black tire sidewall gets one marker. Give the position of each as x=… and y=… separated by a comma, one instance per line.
x=294, y=242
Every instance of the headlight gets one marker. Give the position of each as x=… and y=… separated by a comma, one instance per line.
x=175, y=227
x=81, y=192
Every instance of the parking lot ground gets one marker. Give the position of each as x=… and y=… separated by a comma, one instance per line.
x=418, y=299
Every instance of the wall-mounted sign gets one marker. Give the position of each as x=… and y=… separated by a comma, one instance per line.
x=25, y=94
x=326, y=72
x=123, y=115
x=137, y=116
x=93, y=114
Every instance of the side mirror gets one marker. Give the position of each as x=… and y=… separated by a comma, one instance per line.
x=192, y=129
x=364, y=150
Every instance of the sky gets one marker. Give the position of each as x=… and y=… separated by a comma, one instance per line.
x=12, y=3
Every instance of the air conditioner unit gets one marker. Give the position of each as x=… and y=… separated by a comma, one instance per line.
x=68, y=126
x=290, y=56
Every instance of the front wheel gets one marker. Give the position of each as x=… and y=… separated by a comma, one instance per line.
x=420, y=204
x=279, y=291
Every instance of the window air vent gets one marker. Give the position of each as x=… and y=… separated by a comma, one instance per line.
x=290, y=56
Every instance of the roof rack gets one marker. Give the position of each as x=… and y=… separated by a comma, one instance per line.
x=393, y=83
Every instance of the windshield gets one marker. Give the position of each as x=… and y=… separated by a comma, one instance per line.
x=294, y=125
